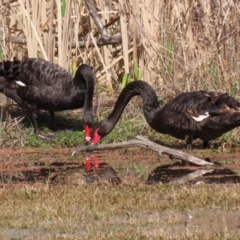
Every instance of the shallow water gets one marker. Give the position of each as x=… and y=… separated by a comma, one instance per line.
x=38, y=167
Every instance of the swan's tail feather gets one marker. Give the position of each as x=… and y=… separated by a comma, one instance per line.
x=225, y=122
x=222, y=104
x=10, y=69
x=227, y=104
x=3, y=83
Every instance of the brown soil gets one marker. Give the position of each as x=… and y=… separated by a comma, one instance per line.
x=38, y=166
x=56, y=166
x=26, y=166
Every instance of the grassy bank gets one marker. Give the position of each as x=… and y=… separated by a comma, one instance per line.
x=129, y=211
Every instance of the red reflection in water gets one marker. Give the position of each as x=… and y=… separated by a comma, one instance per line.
x=92, y=161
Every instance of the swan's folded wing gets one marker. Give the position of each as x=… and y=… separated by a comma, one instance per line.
x=200, y=105
x=38, y=72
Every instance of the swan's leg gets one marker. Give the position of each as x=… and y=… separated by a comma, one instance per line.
x=188, y=139
x=205, y=144
x=52, y=120
x=36, y=130
x=34, y=118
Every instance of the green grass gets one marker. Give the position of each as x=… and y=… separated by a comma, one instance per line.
x=63, y=139
x=127, y=128
x=132, y=210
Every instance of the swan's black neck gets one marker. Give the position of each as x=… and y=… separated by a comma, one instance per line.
x=150, y=104
x=85, y=77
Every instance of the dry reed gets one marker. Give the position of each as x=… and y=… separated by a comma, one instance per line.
x=178, y=45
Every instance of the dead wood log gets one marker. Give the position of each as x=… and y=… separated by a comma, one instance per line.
x=105, y=37
x=140, y=141
x=191, y=176
x=97, y=20
x=114, y=39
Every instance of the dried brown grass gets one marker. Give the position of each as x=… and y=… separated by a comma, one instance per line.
x=130, y=211
x=177, y=45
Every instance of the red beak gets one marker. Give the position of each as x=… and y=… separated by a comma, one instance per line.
x=96, y=137
x=87, y=133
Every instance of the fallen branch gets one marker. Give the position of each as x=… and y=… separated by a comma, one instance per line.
x=105, y=37
x=190, y=176
x=114, y=39
x=140, y=141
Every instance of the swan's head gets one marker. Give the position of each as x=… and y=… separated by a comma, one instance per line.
x=96, y=137
x=102, y=129
x=87, y=121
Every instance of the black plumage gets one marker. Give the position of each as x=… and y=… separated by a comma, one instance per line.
x=199, y=114
x=39, y=84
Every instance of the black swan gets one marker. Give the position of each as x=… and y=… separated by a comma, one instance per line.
x=199, y=114
x=39, y=84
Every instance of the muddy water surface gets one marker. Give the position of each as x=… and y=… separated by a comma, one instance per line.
x=27, y=166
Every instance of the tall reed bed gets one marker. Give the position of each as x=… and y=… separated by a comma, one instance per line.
x=175, y=45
